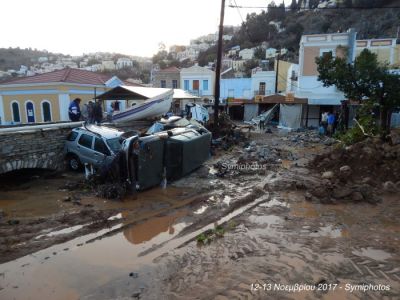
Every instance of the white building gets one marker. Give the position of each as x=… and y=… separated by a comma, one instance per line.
x=321, y=98
x=198, y=81
x=270, y=53
x=189, y=53
x=124, y=62
x=108, y=65
x=262, y=82
x=246, y=54
x=238, y=65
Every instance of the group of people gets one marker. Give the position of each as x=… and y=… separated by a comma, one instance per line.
x=92, y=112
x=328, y=123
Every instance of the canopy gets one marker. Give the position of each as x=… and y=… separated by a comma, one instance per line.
x=125, y=92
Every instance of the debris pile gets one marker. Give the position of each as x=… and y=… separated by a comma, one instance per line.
x=253, y=158
x=359, y=172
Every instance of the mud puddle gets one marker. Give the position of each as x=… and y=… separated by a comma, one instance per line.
x=79, y=266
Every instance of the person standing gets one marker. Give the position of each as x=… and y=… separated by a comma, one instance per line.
x=331, y=123
x=74, y=111
x=98, y=113
x=262, y=122
x=90, y=112
x=324, y=120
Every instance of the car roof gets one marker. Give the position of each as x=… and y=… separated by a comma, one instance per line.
x=104, y=131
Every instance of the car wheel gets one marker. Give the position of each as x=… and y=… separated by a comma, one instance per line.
x=74, y=163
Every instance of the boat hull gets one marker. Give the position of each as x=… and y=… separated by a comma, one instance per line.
x=151, y=108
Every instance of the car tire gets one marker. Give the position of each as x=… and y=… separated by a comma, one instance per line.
x=74, y=164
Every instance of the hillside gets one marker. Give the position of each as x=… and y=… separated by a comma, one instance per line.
x=13, y=58
x=283, y=28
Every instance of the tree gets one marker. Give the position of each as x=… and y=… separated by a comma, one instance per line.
x=259, y=53
x=365, y=79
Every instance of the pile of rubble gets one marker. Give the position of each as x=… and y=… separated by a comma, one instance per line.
x=253, y=158
x=360, y=172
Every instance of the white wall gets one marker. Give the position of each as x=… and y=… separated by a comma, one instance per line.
x=263, y=76
x=63, y=102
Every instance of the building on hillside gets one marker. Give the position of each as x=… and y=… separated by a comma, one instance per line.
x=238, y=65
x=321, y=98
x=198, y=81
x=167, y=78
x=270, y=53
x=246, y=54
x=108, y=65
x=124, y=62
x=46, y=97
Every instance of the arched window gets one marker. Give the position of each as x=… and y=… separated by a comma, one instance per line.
x=15, y=112
x=30, y=111
x=46, y=111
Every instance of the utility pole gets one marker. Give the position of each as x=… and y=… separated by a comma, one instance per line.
x=277, y=72
x=218, y=67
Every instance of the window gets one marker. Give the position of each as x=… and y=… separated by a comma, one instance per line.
x=261, y=90
x=101, y=147
x=46, y=111
x=163, y=84
x=15, y=112
x=196, y=85
x=174, y=84
x=186, y=85
x=72, y=136
x=231, y=93
x=86, y=140
x=30, y=111
x=325, y=52
x=205, y=85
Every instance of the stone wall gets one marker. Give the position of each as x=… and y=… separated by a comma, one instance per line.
x=26, y=149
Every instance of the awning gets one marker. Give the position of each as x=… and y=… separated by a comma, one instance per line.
x=283, y=99
x=124, y=92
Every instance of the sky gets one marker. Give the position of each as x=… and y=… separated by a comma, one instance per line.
x=129, y=27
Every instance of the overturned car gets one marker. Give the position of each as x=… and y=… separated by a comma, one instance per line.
x=139, y=161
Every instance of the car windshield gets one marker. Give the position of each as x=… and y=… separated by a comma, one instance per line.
x=114, y=144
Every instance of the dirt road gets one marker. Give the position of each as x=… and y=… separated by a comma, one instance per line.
x=261, y=238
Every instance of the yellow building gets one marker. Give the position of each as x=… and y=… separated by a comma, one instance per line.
x=283, y=70
x=386, y=50
x=46, y=97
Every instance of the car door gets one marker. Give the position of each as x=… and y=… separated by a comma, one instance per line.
x=101, y=153
x=85, y=149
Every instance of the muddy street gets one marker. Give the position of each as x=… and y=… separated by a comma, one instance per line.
x=248, y=224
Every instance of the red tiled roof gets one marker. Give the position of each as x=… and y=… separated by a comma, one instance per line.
x=170, y=69
x=67, y=75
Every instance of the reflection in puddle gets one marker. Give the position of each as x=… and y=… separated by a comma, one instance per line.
x=374, y=254
x=156, y=229
x=304, y=209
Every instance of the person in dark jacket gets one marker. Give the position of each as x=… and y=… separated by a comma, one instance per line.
x=98, y=112
x=74, y=111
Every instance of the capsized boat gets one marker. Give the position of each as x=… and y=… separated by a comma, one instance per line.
x=153, y=107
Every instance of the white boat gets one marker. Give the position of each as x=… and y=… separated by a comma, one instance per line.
x=153, y=107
